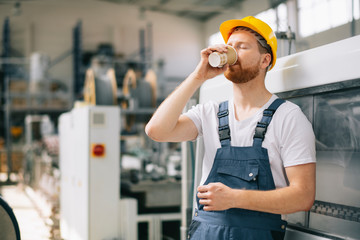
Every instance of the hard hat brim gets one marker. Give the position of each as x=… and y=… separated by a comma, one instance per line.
x=227, y=26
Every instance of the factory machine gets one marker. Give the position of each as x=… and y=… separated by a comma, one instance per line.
x=105, y=191
x=116, y=183
x=325, y=83
x=89, y=163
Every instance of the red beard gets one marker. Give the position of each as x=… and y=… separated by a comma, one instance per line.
x=238, y=74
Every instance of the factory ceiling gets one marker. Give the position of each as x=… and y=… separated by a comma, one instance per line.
x=200, y=10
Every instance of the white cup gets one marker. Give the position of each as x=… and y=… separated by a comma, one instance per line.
x=217, y=59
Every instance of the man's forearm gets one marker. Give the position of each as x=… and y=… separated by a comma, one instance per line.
x=166, y=116
x=217, y=197
x=280, y=201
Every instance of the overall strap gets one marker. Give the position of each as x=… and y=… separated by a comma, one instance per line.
x=224, y=129
x=261, y=126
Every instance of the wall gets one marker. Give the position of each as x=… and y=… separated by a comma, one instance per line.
x=46, y=26
x=326, y=37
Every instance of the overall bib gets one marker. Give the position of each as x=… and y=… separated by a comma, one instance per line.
x=240, y=168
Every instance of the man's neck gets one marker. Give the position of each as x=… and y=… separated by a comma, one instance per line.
x=249, y=97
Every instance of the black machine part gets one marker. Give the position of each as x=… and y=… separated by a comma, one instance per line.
x=9, y=228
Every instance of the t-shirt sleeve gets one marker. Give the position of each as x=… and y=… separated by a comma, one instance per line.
x=203, y=115
x=195, y=115
x=297, y=139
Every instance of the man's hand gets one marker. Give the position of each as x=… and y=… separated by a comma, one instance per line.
x=216, y=197
x=203, y=70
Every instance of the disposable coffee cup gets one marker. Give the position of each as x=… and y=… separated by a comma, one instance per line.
x=217, y=59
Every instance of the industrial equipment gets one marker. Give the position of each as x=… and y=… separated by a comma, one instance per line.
x=325, y=83
x=37, y=127
x=115, y=186
x=9, y=228
x=90, y=173
x=28, y=88
x=100, y=83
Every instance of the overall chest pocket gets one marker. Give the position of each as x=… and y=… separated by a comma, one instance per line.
x=239, y=176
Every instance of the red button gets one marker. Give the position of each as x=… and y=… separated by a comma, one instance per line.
x=98, y=150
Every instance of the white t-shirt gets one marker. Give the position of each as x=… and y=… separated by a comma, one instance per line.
x=289, y=138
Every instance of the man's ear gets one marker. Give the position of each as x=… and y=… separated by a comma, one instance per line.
x=266, y=60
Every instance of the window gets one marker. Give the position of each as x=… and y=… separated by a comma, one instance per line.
x=319, y=15
x=277, y=18
x=356, y=10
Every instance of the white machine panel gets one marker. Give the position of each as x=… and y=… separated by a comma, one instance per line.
x=330, y=63
x=90, y=173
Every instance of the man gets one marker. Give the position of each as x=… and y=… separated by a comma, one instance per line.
x=259, y=161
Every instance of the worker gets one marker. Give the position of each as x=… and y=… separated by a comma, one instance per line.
x=259, y=158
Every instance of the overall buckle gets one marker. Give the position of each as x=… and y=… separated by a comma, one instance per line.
x=224, y=133
x=260, y=130
x=268, y=112
x=223, y=113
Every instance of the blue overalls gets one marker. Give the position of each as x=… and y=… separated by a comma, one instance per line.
x=240, y=168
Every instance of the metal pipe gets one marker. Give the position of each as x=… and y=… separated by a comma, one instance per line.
x=6, y=55
x=7, y=127
x=149, y=53
x=60, y=58
x=142, y=51
x=77, y=48
x=352, y=18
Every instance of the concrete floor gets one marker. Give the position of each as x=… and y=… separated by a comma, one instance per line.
x=32, y=225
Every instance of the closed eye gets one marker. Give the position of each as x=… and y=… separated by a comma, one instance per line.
x=241, y=46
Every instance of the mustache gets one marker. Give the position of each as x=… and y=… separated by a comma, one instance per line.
x=237, y=63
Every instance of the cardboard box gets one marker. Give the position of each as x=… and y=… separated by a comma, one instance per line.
x=18, y=86
x=16, y=160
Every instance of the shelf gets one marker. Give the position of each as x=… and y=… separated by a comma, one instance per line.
x=138, y=111
x=44, y=95
x=38, y=109
x=13, y=149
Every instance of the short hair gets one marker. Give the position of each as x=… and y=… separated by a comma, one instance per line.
x=263, y=46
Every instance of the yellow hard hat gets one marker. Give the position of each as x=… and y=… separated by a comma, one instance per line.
x=255, y=24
